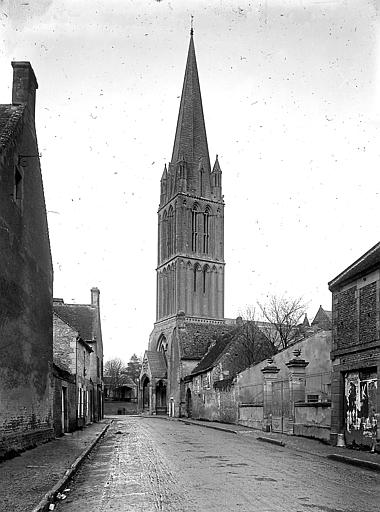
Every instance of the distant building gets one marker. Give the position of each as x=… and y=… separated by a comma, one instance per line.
x=323, y=319
x=122, y=390
x=78, y=352
x=356, y=350
x=26, y=275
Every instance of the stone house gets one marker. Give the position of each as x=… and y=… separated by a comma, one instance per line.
x=209, y=387
x=356, y=351
x=78, y=351
x=26, y=275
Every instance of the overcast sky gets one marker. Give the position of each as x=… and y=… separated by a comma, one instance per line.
x=291, y=100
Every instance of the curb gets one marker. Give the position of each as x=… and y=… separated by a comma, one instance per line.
x=374, y=466
x=214, y=427
x=271, y=441
x=43, y=505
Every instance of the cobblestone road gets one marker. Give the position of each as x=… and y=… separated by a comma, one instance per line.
x=149, y=464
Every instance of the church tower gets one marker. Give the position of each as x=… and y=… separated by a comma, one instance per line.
x=190, y=269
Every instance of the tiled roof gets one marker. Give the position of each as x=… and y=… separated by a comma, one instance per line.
x=367, y=262
x=157, y=364
x=9, y=118
x=81, y=317
x=196, y=338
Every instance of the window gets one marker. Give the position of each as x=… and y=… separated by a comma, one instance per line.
x=206, y=234
x=204, y=275
x=194, y=229
x=17, y=189
x=195, y=277
x=313, y=398
x=170, y=238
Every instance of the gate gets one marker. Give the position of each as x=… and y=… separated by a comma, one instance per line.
x=280, y=409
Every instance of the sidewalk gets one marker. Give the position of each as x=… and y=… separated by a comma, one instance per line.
x=302, y=444
x=26, y=480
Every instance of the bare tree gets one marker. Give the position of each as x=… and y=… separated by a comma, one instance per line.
x=115, y=370
x=282, y=316
x=251, y=345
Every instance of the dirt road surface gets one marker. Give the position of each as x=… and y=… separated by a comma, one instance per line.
x=149, y=464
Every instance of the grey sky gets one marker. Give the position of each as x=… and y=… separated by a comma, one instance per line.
x=291, y=100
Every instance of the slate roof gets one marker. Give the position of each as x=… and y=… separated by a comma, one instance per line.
x=235, y=342
x=157, y=364
x=215, y=351
x=366, y=263
x=195, y=338
x=323, y=319
x=81, y=317
x=10, y=115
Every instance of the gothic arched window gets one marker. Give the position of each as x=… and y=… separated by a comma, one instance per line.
x=194, y=229
x=164, y=227
x=206, y=231
x=170, y=233
x=195, y=277
x=204, y=278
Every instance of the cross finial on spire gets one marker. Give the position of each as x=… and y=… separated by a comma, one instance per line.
x=192, y=25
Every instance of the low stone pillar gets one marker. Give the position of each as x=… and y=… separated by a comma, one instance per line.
x=297, y=385
x=269, y=372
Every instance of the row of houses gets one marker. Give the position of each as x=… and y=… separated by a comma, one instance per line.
x=50, y=380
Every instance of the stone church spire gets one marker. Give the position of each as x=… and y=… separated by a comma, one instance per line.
x=190, y=143
x=190, y=270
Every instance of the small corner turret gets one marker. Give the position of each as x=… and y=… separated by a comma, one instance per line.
x=216, y=179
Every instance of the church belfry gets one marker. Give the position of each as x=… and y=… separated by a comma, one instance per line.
x=190, y=270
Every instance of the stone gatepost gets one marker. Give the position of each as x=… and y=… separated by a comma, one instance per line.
x=297, y=386
x=269, y=372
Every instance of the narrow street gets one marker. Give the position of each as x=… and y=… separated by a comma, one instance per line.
x=149, y=464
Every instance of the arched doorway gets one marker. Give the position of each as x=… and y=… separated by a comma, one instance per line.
x=145, y=393
x=161, y=397
x=188, y=403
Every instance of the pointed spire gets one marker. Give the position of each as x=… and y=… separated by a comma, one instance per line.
x=305, y=322
x=190, y=138
x=216, y=167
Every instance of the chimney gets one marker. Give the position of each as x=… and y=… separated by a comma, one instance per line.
x=95, y=297
x=24, y=84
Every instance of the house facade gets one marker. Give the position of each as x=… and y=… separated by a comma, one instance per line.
x=78, y=358
x=356, y=351
x=26, y=275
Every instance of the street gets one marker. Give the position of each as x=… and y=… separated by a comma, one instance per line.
x=149, y=464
